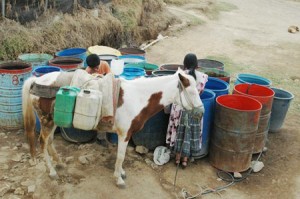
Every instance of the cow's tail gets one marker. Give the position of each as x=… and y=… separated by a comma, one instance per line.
x=28, y=114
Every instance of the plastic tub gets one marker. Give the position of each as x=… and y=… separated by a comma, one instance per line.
x=170, y=67
x=131, y=59
x=148, y=67
x=252, y=79
x=36, y=59
x=219, y=87
x=131, y=73
x=80, y=53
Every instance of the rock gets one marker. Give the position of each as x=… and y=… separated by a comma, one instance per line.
x=4, y=148
x=130, y=148
x=17, y=157
x=141, y=149
x=237, y=175
x=15, y=148
x=83, y=160
x=148, y=161
x=32, y=162
x=265, y=149
x=19, y=191
x=257, y=166
x=4, y=188
x=219, y=179
x=31, y=189
x=4, y=166
x=69, y=159
x=27, y=183
x=90, y=158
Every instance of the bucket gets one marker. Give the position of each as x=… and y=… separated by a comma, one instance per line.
x=219, y=87
x=66, y=63
x=103, y=50
x=280, y=107
x=77, y=135
x=217, y=73
x=42, y=70
x=80, y=53
x=170, y=67
x=209, y=64
x=235, y=125
x=144, y=65
x=108, y=58
x=38, y=72
x=132, y=51
x=35, y=59
x=157, y=73
x=208, y=100
x=112, y=137
x=131, y=59
x=252, y=79
x=12, y=78
x=131, y=73
x=265, y=96
x=153, y=133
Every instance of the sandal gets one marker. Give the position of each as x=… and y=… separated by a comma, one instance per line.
x=184, y=162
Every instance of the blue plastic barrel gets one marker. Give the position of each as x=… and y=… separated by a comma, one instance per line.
x=42, y=70
x=77, y=135
x=112, y=137
x=252, y=79
x=12, y=78
x=208, y=100
x=281, y=104
x=73, y=52
x=38, y=72
x=130, y=73
x=35, y=59
x=219, y=87
x=132, y=59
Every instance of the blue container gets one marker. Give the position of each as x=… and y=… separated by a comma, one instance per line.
x=252, y=79
x=154, y=132
x=219, y=87
x=73, y=52
x=112, y=137
x=130, y=73
x=132, y=59
x=12, y=78
x=42, y=70
x=280, y=106
x=78, y=135
x=38, y=72
x=208, y=99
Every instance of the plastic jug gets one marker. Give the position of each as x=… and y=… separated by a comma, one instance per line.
x=64, y=106
x=87, y=109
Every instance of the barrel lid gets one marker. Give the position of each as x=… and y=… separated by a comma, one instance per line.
x=100, y=50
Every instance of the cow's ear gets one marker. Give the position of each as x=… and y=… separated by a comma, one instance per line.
x=185, y=81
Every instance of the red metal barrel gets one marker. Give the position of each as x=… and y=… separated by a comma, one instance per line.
x=265, y=96
x=67, y=63
x=235, y=125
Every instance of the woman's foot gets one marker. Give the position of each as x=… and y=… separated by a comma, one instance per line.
x=184, y=162
x=177, y=159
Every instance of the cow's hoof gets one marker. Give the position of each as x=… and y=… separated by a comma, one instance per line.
x=53, y=175
x=123, y=176
x=121, y=186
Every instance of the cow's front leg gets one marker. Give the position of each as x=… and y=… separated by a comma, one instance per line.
x=119, y=171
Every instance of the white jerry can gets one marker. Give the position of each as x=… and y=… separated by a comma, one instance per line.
x=87, y=109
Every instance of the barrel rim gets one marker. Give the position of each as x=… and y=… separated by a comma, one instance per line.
x=220, y=81
x=285, y=91
x=269, y=82
x=255, y=96
x=239, y=96
x=46, y=66
x=179, y=65
x=211, y=60
x=132, y=56
x=138, y=50
x=210, y=92
x=84, y=50
x=157, y=71
x=49, y=56
x=27, y=68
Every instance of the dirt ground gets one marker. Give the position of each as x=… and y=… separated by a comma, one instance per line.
x=249, y=37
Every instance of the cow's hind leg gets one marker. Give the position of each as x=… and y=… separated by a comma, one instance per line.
x=47, y=130
x=52, y=151
x=119, y=171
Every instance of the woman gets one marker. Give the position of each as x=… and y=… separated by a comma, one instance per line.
x=185, y=130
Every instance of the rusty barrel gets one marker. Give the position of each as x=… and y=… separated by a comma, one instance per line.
x=235, y=125
x=265, y=96
x=12, y=77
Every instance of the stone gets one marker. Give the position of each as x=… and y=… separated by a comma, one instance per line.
x=31, y=189
x=90, y=158
x=17, y=157
x=257, y=166
x=69, y=159
x=130, y=148
x=237, y=175
x=27, y=183
x=265, y=149
x=83, y=160
x=19, y=191
x=148, y=161
x=32, y=162
x=15, y=148
x=4, y=188
x=141, y=150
